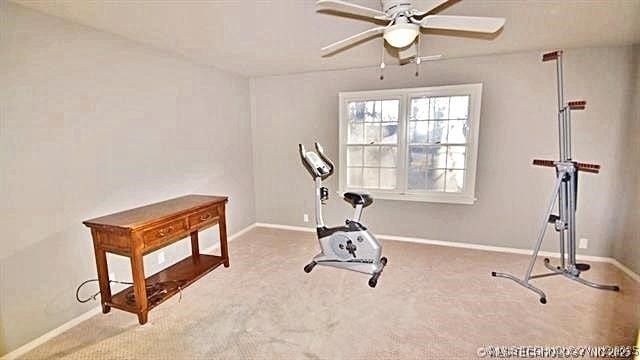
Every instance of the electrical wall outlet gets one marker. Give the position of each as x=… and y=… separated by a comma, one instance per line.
x=306, y=217
x=584, y=243
x=161, y=257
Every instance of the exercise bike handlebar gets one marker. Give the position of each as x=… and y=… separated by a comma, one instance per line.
x=324, y=158
x=304, y=160
x=320, y=152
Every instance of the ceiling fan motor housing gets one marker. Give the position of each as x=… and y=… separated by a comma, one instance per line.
x=392, y=7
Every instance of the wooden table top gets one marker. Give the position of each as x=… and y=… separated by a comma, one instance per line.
x=141, y=216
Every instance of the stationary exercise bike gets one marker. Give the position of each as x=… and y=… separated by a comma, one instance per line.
x=351, y=246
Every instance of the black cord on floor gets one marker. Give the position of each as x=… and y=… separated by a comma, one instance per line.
x=160, y=283
x=94, y=296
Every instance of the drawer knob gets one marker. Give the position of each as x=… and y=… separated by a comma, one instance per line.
x=206, y=216
x=165, y=231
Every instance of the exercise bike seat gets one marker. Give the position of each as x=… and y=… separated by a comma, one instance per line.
x=358, y=199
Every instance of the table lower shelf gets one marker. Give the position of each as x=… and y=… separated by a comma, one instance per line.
x=172, y=279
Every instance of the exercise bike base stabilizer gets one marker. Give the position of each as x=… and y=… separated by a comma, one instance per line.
x=351, y=246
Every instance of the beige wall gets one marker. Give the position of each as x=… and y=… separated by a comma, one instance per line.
x=91, y=124
x=628, y=249
x=518, y=123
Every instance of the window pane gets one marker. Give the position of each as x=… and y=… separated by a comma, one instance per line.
x=390, y=110
x=456, y=157
x=417, y=157
x=417, y=179
x=458, y=131
x=388, y=155
x=436, y=157
x=372, y=133
x=373, y=111
x=420, y=109
x=356, y=133
x=372, y=156
x=371, y=176
x=388, y=179
x=437, y=132
x=435, y=180
x=419, y=132
x=455, y=181
x=354, y=177
x=355, y=155
x=389, y=133
x=441, y=108
x=459, y=107
x=356, y=111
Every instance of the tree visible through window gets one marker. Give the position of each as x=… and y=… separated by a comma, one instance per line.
x=372, y=144
x=438, y=129
x=416, y=144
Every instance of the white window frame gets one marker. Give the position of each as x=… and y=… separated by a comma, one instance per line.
x=405, y=95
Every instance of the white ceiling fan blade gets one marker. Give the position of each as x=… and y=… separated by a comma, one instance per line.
x=430, y=57
x=345, y=7
x=428, y=6
x=351, y=40
x=463, y=23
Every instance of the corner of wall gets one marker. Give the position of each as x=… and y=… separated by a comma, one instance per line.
x=3, y=346
x=252, y=115
x=629, y=234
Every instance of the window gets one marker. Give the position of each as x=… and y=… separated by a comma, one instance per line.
x=411, y=144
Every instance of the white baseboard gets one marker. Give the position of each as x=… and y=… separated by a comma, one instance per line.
x=230, y=238
x=50, y=335
x=286, y=227
x=75, y=321
x=626, y=270
x=501, y=249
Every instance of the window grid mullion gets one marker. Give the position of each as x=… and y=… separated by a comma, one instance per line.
x=446, y=156
x=402, y=177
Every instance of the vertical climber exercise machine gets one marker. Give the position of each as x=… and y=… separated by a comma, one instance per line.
x=565, y=191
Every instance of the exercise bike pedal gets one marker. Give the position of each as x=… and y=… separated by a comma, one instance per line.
x=583, y=267
x=310, y=266
x=374, y=279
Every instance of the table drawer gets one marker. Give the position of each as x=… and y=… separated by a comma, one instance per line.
x=205, y=216
x=165, y=231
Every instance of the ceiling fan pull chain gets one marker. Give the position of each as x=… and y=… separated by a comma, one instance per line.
x=417, y=55
x=382, y=64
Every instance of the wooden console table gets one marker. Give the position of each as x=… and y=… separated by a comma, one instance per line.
x=136, y=232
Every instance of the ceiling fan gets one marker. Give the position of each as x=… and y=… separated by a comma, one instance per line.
x=404, y=22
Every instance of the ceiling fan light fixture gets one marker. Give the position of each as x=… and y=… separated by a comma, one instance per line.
x=401, y=34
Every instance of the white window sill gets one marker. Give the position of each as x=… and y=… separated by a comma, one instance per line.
x=446, y=198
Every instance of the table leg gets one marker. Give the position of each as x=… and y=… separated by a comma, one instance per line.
x=103, y=275
x=139, y=286
x=223, y=238
x=195, y=247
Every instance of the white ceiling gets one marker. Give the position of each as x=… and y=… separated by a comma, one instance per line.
x=266, y=37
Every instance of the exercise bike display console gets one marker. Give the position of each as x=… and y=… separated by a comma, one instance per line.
x=350, y=246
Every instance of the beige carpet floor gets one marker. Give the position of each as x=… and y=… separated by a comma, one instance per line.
x=431, y=302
